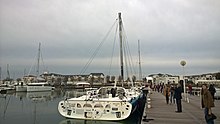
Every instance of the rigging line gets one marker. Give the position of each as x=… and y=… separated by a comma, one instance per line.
x=41, y=56
x=6, y=107
x=33, y=63
x=128, y=60
x=125, y=53
x=97, y=49
x=110, y=67
x=126, y=63
x=129, y=52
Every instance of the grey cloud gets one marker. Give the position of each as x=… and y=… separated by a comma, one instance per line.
x=70, y=30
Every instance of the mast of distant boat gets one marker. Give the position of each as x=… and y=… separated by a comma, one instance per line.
x=139, y=54
x=8, y=74
x=0, y=73
x=121, y=50
x=38, y=59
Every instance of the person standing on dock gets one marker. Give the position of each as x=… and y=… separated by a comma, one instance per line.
x=190, y=88
x=167, y=93
x=207, y=103
x=178, y=96
x=172, y=94
x=212, y=91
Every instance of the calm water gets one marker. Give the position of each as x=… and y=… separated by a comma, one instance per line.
x=40, y=108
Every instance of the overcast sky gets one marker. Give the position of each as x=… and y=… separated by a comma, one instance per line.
x=169, y=31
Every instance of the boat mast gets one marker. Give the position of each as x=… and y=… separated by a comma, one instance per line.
x=139, y=53
x=38, y=60
x=0, y=73
x=121, y=50
x=8, y=74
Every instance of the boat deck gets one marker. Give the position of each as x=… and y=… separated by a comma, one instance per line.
x=162, y=113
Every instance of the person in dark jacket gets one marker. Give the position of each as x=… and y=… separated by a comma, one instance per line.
x=207, y=103
x=212, y=90
x=178, y=96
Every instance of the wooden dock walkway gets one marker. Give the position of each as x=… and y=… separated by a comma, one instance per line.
x=162, y=113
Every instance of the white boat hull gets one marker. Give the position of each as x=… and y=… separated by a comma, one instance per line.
x=38, y=88
x=21, y=88
x=95, y=110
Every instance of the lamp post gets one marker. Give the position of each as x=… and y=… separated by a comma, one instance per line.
x=183, y=63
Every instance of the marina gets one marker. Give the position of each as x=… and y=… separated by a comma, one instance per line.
x=41, y=108
x=156, y=65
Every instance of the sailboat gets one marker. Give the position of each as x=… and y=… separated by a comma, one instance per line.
x=7, y=86
x=39, y=83
x=107, y=103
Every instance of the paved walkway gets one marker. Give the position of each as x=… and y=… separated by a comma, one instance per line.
x=162, y=113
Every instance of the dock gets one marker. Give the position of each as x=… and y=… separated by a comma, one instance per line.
x=163, y=113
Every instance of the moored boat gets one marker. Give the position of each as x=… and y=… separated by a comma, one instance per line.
x=82, y=85
x=7, y=90
x=21, y=87
x=107, y=103
x=39, y=86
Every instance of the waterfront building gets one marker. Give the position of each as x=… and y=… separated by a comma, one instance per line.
x=164, y=78
x=209, y=78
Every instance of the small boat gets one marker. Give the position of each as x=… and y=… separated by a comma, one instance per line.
x=84, y=85
x=39, y=86
x=7, y=90
x=39, y=83
x=21, y=87
x=3, y=91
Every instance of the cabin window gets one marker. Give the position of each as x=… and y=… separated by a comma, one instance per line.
x=87, y=105
x=78, y=105
x=88, y=114
x=72, y=105
x=108, y=106
x=98, y=106
x=115, y=109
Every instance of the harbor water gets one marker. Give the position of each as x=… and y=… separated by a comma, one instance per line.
x=41, y=108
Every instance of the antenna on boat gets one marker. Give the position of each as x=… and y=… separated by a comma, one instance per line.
x=121, y=50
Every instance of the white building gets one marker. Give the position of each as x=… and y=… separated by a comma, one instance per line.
x=164, y=78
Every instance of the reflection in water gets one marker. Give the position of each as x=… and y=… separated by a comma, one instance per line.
x=75, y=121
x=4, y=104
x=30, y=107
